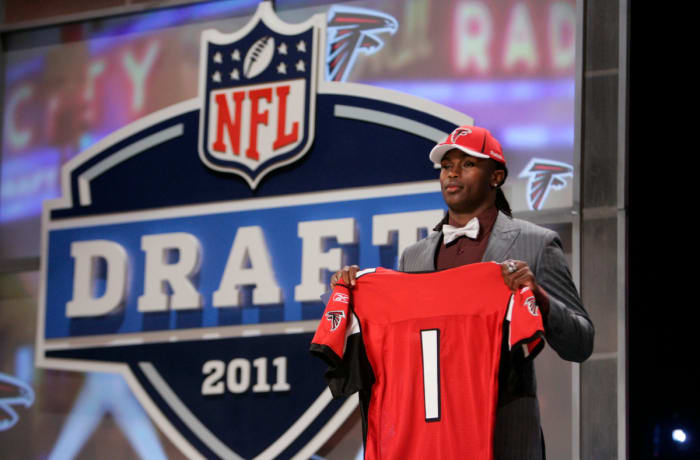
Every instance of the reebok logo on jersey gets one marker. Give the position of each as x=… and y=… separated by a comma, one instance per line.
x=335, y=317
x=340, y=297
x=531, y=305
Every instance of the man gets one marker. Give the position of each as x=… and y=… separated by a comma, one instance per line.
x=478, y=227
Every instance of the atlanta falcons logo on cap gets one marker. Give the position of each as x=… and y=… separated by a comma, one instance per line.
x=351, y=31
x=543, y=176
x=335, y=317
x=459, y=133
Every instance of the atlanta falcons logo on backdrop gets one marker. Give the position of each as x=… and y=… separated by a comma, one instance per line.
x=335, y=317
x=13, y=392
x=350, y=31
x=543, y=176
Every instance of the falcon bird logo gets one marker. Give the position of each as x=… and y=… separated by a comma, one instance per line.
x=335, y=317
x=351, y=31
x=13, y=392
x=459, y=133
x=531, y=305
x=543, y=176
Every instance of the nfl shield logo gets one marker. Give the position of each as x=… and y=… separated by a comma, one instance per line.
x=258, y=91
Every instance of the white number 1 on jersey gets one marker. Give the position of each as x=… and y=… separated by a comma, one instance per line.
x=430, y=347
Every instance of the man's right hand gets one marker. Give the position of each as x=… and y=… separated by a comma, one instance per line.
x=347, y=276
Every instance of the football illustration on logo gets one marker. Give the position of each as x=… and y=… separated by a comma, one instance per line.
x=258, y=57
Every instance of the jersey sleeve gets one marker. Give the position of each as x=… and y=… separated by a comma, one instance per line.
x=339, y=344
x=525, y=331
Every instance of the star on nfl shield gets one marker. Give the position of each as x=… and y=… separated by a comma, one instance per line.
x=258, y=88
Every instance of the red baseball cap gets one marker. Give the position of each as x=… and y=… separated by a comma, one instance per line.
x=472, y=140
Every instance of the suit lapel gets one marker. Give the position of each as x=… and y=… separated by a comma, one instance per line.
x=503, y=235
x=428, y=262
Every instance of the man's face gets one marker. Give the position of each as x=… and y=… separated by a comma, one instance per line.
x=466, y=181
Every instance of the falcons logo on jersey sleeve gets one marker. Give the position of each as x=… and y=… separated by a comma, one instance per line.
x=350, y=31
x=543, y=176
x=531, y=305
x=335, y=317
x=13, y=392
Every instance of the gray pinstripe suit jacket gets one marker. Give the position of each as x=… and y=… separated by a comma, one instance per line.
x=568, y=329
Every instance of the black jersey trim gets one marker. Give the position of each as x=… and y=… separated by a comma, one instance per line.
x=535, y=351
x=351, y=373
x=326, y=354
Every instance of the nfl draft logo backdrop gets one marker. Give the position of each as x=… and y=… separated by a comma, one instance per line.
x=189, y=250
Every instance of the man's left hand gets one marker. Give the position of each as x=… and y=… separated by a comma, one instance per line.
x=517, y=275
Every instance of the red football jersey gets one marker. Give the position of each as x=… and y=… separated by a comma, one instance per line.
x=423, y=350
